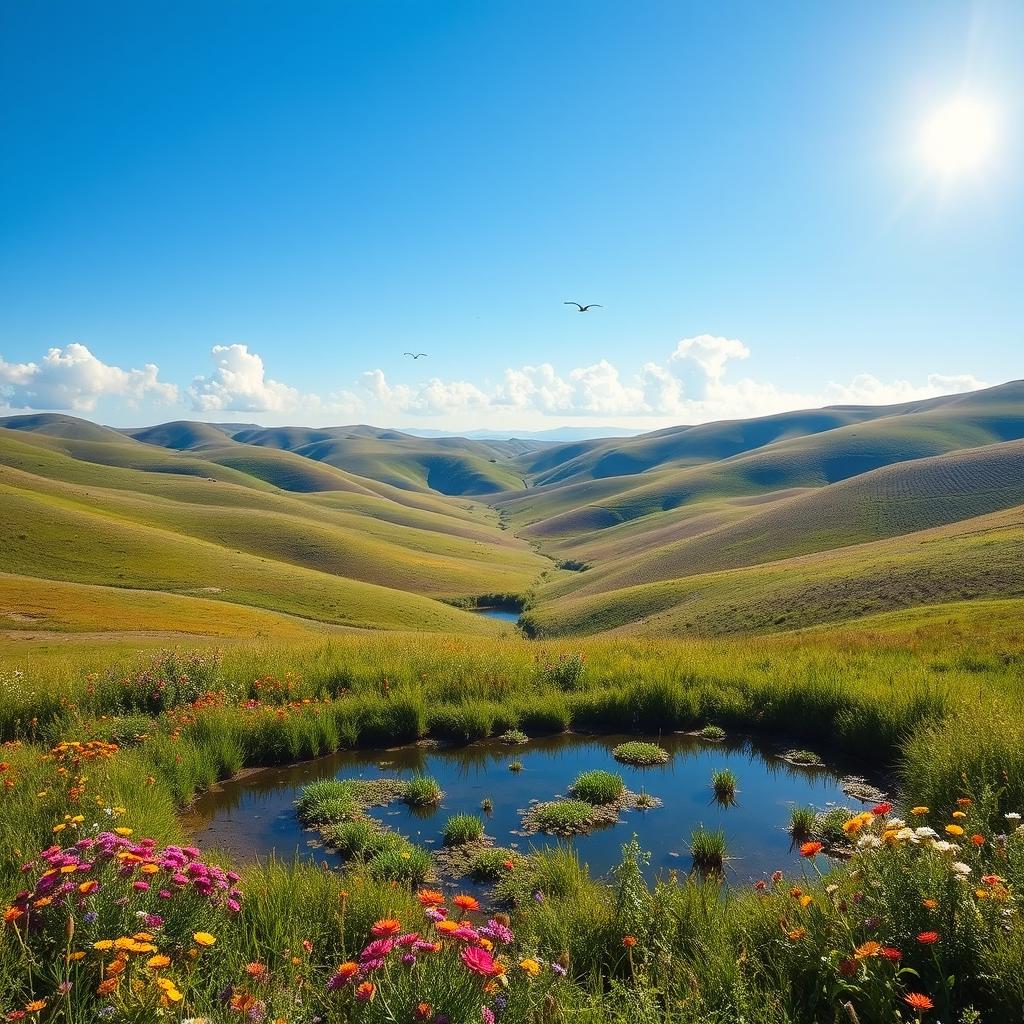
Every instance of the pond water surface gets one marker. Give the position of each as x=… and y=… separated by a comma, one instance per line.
x=254, y=816
x=504, y=614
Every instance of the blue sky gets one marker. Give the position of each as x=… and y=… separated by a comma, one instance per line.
x=280, y=199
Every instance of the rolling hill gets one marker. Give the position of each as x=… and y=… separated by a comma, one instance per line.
x=761, y=525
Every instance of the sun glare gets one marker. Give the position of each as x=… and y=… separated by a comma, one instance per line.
x=959, y=137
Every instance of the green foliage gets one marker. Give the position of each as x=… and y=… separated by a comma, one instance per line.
x=802, y=822
x=723, y=783
x=422, y=791
x=712, y=732
x=707, y=847
x=564, y=817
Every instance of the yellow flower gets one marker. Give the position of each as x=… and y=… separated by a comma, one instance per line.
x=102, y=944
x=954, y=830
x=124, y=831
x=919, y=810
x=805, y=901
x=959, y=814
x=204, y=939
x=158, y=961
x=531, y=967
x=60, y=827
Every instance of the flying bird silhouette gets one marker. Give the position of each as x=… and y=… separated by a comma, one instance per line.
x=583, y=309
x=415, y=355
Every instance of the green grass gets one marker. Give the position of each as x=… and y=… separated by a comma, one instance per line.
x=723, y=784
x=637, y=752
x=708, y=848
x=422, y=791
x=462, y=828
x=564, y=817
x=802, y=822
x=598, y=787
x=715, y=733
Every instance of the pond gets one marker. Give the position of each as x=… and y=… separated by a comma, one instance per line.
x=504, y=614
x=255, y=816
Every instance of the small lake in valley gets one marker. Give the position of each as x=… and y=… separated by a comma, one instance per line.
x=255, y=816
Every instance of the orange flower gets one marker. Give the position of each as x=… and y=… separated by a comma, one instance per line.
x=158, y=961
x=629, y=941
x=811, y=849
x=919, y=1002
x=347, y=969
x=447, y=926
x=35, y=1006
x=87, y=887
x=930, y=904
x=423, y=1011
x=978, y=839
x=866, y=949
x=795, y=934
x=430, y=898
x=466, y=902
x=256, y=970
x=12, y=914
x=386, y=926
x=366, y=991
x=964, y=801
x=106, y=987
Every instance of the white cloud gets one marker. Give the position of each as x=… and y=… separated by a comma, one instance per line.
x=866, y=389
x=710, y=353
x=72, y=378
x=434, y=398
x=240, y=384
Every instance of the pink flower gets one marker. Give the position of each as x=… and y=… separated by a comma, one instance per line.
x=377, y=949
x=478, y=960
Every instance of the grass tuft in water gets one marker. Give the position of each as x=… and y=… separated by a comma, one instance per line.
x=801, y=822
x=723, y=782
x=422, y=791
x=462, y=828
x=514, y=737
x=515, y=766
x=598, y=787
x=564, y=817
x=712, y=732
x=707, y=847
x=639, y=753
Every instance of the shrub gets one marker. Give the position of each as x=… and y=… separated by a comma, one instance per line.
x=493, y=863
x=598, y=787
x=360, y=838
x=404, y=863
x=712, y=732
x=462, y=828
x=513, y=737
x=325, y=801
x=422, y=791
x=639, y=753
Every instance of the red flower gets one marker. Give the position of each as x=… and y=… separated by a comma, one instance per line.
x=881, y=809
x=386, y=926
x=423, y=1011
x=978, y=839
x=928, y=938
x=811, y=849
x=848, y=967
x=891, y=953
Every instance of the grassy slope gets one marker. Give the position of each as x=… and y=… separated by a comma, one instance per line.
x=977, y=558
x=884, y=503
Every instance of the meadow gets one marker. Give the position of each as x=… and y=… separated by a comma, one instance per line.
x=110, y=914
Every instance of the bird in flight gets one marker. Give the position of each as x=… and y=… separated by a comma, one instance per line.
x=415, y=355
x=583, y=309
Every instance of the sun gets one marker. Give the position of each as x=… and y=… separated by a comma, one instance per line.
x=959, y=137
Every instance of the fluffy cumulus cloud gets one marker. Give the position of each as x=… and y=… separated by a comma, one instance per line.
x=73, y=379
x=240, y=384
x=695, y=382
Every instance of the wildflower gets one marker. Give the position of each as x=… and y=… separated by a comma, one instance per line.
x=423, y=1011
x=204, y=939
x=629, y=941
x=102, y=944
x=487, y=1015
x=531, y=966
x=881, y=809
x=964, y=801
x=430, y=898
x=960, y=868
x=508, y=865
x=978, y=839
x=386, y=926
x=811, y=849
x=959, y=814
x=108, y=985
x=954, y=830
x=158, y=961
x=35, y=1006
x=928, y=938
x=479, y=961
x=256, y=970
x=776, y=876
x=919, y=810
x=87, y=887
x=466, y=902
x=891, y=953
x=1012, y=816
x=377, y=949
x=917, y=1001
x=867, y=949
x=795, y=934
x=848, y=967
x=365, y=991
x=345, y=973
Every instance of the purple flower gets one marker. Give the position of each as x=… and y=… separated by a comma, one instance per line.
x=408, y=959
x=558, y=969
x=487, y=1015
